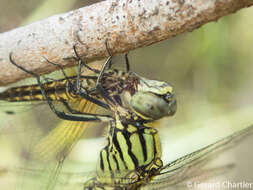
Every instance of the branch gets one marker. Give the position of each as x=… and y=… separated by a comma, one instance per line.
x=126, y=24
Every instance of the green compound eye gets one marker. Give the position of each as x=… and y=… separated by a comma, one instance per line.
x=153, y=106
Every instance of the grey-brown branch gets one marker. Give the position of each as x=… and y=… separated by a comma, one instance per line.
x=126, y=24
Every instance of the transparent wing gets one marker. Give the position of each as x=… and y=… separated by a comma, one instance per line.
x=57, y=145
x=174, y=175
x=40, y=148
x=191, y=165
x=31, y=178
x=38, y=139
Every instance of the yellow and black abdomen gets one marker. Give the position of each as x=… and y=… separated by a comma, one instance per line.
x=56, y=90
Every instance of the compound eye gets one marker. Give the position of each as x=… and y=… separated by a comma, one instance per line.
x=149, y=105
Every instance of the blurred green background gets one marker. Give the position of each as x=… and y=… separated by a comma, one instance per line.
x=210, y=68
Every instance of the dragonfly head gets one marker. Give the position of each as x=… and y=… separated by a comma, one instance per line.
x=154, y=100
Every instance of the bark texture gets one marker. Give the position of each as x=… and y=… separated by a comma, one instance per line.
x=126, y=24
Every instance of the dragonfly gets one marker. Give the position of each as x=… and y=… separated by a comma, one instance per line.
x=133, y=116
x=133, y=144
x=85, y=91
x=132, y=157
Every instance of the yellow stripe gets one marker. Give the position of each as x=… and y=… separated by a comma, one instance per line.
x=137, y=149
x=124, y=148
x=120, y=162
x=158, y=145
x=104, y=158
x=113, y=163
x=150, y=147
x=131, y=129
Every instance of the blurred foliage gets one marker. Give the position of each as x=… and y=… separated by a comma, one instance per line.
x=211, y=68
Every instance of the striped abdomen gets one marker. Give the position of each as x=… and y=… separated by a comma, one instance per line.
x=63, y=90
x=56, y=90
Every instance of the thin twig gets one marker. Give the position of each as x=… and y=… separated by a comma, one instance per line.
x=126, y=24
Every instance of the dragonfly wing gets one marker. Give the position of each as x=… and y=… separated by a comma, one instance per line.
x=39, y=151
x=189, y=165
x=66, y=180
x=57, y=145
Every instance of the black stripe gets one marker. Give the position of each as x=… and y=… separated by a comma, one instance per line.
x=155, y=151
x=116, y=144
x=125, y=124
x=108, y=160
x=31, y=94
x=129, y=145
x=115, y=159
x=101, y=161
x=143, y=144
x=117, y=99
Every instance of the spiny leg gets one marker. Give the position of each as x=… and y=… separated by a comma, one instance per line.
x=109, y=60
x=84, y=95
x=126, y=58
x=78, y=85
x=65, y=77
x=47, y=79
x=79, y=72
x=60, y=114
x=73, y=111
x=61, y=68
x=105, y=66
x=82, y=62
x=98, y=83
x=127, y=62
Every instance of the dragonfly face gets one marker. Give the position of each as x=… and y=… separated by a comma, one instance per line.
x=154, y=100
x=131, y=93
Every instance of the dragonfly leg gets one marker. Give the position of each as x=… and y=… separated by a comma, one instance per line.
x=60, y=67
x=73, y=111
x=93, y=100
x=99, y=87
x=109, y=63
x=127, y=62
x=98, y=83
x=60, y=114
x=126, y=58
x=47, y=79
x=81, y=62
x=79, y=87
